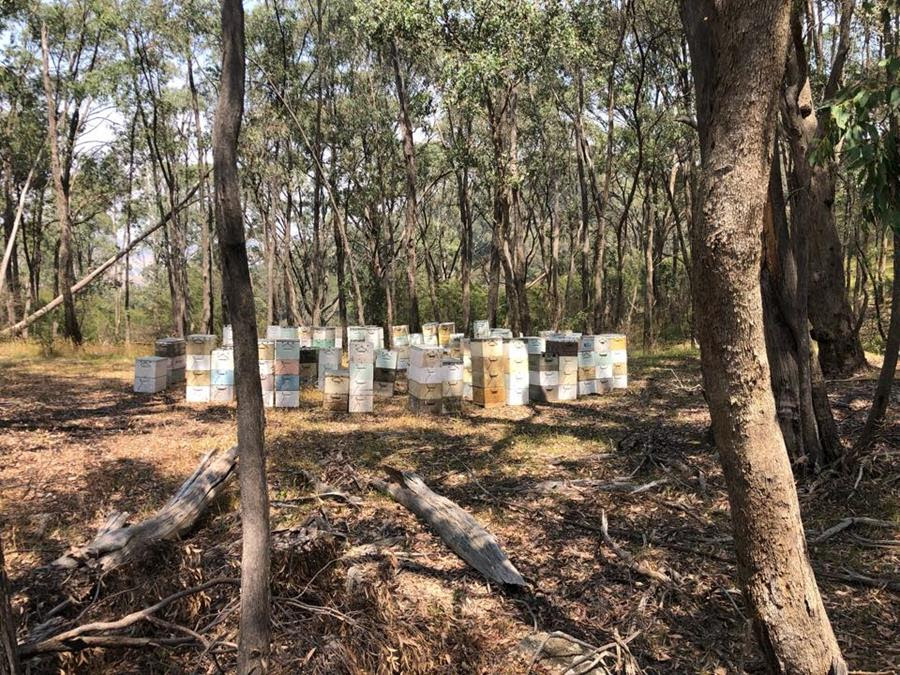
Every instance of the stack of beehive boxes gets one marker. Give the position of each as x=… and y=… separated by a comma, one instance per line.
x=198, y=364
x=430, y=334
x=267, y=371
x=336, y=390
x=543, y=372
x=287, y=372
x=618, y=352
x=151, y=374
x=515, y=369
x=425, y=378
x=221, y=375
x=329, y=358
x=565, y=348
x=488, y=385
x=385, y=372
x=400, y=343
x=361, y=359
x=309, y=366
x=588, y=353
x=452, y=386
x=172, y=348
x=466, y=346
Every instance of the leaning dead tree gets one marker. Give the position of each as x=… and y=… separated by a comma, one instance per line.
x=456, y=526
x=117, y=541
x=83, y=283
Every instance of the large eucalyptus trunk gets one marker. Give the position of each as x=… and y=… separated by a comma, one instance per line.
x=409, y=158
x=813, y=189
x=738, y=57
x=253, y=643
x=65, y=271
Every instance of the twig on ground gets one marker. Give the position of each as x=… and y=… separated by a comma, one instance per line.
x=628, y=559
x=848, y=522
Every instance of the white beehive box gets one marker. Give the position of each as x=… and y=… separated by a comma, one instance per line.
x=150, y=385
x=152, y=366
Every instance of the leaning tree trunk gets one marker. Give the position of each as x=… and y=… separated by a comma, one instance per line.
x=253, y=645
x=738, y=56
x=9, y=659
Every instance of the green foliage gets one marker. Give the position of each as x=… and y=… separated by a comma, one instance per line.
x=862, y=126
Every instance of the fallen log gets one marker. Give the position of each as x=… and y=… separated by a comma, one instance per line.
x=117, y=541
x=456, y=526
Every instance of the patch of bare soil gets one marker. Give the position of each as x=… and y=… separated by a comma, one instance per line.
x=360, y=585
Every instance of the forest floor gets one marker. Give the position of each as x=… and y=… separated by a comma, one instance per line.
x=377, y=591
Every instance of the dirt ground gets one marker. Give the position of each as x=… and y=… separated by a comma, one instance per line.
x=374, y=590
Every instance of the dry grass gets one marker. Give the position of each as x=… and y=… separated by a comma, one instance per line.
x=76, y=443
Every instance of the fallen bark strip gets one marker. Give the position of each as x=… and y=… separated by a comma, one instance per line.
x=79, y=637
x=456, y=526
x=848, y=522
x=578, y=485
x=117, y=542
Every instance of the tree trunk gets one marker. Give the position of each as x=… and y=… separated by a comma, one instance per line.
x=253, y=646
x=738, y=57
x=409, y=158
x=9, y=659
x=66, y=273
x=205, y=210
x=840, y=351
x=649, y=289
x=888, y=367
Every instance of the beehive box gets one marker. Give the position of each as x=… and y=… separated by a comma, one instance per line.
x=153, y=367
x=561, y=347
x=568, y=371
x=361, y=352
x=266, y=350
x=304, y=334
x=515, y=356
x=221, y=394
x=422, y=356
x=490, y=396
x=196, y=394
x=329, y=359
x=337, y=382
x=200, y=344
x=227, y=336
x=481, y=328
x=362, y=378
x=445, y=331
x=150, y=385
x=336, y=402
x=544, y=393
x=426, y=406
x=490, y=347
x=516, y=385
x=361, y=403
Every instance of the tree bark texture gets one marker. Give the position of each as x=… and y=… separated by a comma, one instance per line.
x=253, y=645
x=738, y=56
x=66, y=273
x=9, y=659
